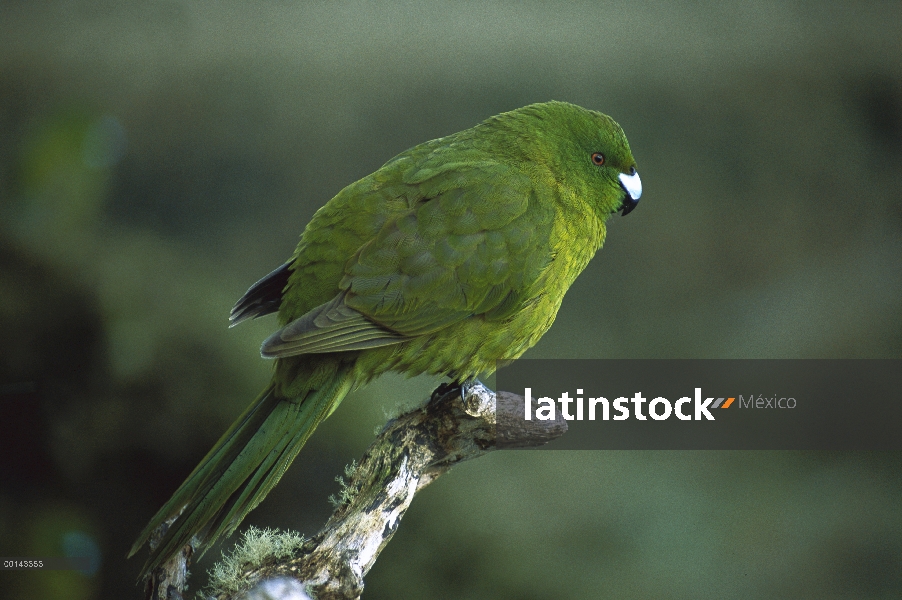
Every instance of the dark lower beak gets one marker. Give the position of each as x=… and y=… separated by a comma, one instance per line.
x=628, y=205
x=632, y=185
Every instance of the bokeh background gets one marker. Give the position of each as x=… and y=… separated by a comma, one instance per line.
x=159, y=156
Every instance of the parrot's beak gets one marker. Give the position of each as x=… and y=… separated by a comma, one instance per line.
x=632, y=185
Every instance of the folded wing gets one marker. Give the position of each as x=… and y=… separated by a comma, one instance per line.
x=472, y=243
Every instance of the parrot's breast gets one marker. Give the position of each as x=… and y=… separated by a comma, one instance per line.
x=475, y=345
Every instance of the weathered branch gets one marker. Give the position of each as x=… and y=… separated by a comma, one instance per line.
x=169, y=580
x=411, y=452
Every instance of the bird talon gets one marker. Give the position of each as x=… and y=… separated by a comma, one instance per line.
x=446, y=388
x=442, y=390
x=465, y=389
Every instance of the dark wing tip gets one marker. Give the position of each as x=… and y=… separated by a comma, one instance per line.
x=263, y=298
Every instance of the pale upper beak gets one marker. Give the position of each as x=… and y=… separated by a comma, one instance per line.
x=632, y=185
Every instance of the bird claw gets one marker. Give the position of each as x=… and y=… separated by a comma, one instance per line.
x=470, y=403
x=448, y=387
x=465, y=389
x=442, y=390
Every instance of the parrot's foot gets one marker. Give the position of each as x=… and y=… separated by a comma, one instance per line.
x=444, y=389
x=450, y=386
x=447, y=388
x=465, y=388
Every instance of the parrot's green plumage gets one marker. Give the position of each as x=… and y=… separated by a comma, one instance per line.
x=454, y=255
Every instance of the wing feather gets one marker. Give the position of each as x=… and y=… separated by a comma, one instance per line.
x=330, y=327
x=472, y=242
x=263, y=298
x=473, y=248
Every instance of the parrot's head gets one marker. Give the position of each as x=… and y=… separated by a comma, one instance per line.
x=588, y=152
x=600, y=147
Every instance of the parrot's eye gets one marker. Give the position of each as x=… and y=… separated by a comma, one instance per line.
x=598, y=158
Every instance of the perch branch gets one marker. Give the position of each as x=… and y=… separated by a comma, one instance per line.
x=169, y=580
x=411, y=452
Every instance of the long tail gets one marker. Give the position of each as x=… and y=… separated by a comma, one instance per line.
x=243, y=466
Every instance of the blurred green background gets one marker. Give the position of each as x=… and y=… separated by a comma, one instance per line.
x=157, y=157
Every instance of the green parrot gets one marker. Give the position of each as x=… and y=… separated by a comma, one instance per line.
x=454, y=255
